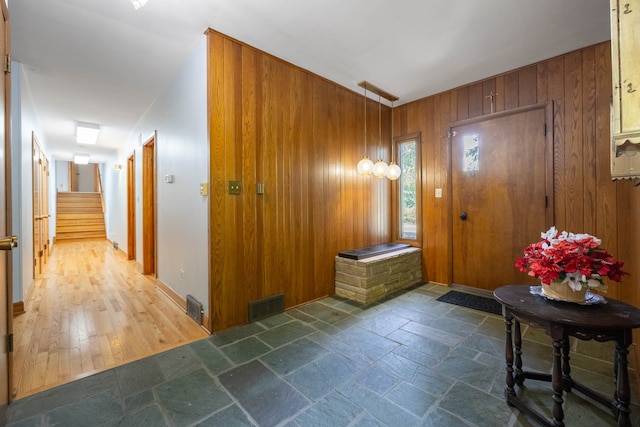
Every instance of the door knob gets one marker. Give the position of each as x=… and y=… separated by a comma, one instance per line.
x=463, y=216
x=8, y=243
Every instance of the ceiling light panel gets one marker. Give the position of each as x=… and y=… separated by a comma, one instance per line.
x=87, y=133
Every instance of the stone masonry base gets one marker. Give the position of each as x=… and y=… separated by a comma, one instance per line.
x=369, y=279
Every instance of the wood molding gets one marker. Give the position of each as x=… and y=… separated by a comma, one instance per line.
x=122, y=253
x=431, y=282
x=182, y=303
x=131, y=207
x=119, y=250
x=18, y=308
x=149, y=220
x=206, y=323
x=173, y=295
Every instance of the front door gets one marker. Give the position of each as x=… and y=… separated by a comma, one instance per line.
x=501, y=170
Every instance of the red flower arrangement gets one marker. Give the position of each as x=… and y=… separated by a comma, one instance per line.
x=574, y=259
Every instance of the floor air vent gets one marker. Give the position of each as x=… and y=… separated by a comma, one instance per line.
x=194, y=309
x=265, y=307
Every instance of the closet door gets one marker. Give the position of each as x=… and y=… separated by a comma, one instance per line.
x=6, y=296
x=40, y=209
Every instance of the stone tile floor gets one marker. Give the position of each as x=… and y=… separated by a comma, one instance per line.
x=408, y=360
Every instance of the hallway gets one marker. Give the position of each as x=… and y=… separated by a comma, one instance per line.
x=91, y=310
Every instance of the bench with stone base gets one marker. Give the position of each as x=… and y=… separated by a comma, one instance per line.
x=368, y=274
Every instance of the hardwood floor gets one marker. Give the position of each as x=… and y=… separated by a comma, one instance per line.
x=91, y=311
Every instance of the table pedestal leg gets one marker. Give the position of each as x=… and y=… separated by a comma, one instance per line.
x=508, y=355
x=556, y=381
x=518, y=361
x=623, y=392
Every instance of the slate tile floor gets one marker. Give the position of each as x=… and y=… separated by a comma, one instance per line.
x=409, y=360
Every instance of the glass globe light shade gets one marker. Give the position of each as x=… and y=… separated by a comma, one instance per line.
x=380, y=169
x=365, y=166
x=394, y=171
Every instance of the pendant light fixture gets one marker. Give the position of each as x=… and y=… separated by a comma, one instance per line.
x=380, y=169
x=365, y=166
x=394, y=170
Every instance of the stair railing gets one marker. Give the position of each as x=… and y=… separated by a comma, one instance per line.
x=99, y=176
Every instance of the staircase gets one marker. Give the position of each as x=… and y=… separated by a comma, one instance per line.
x=79, y=216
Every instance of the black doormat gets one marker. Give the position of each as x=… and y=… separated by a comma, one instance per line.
x=476, y=302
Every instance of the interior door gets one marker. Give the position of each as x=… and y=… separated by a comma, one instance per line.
x=40, y=208
x=38, y=235
x=501, y=171
x=6, y=243
x=44, y=193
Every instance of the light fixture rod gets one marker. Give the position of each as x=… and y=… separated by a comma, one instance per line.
x=365, y=121
x=392, y=142
x=375, y=89
x=379, y=124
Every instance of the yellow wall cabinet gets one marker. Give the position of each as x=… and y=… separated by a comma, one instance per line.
x=625, y=121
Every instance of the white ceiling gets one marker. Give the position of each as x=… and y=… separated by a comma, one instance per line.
x=101, y=61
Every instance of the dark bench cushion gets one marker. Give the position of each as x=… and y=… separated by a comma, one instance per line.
x=374, y=250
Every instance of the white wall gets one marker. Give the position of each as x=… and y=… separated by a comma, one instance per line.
x=179, y=115
x=24, y=122
x=61, y=175
x=114, y=183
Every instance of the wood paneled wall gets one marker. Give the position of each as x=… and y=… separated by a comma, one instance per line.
x=301, y=136
x=585, y=197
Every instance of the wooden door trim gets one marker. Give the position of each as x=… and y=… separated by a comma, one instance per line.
x=131, y=208
x=499, y=114
x=36, y=207
x=149, y=206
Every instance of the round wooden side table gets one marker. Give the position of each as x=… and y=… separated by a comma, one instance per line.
x=610, y=321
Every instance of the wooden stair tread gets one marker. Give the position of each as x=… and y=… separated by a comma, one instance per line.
x=79, y=216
